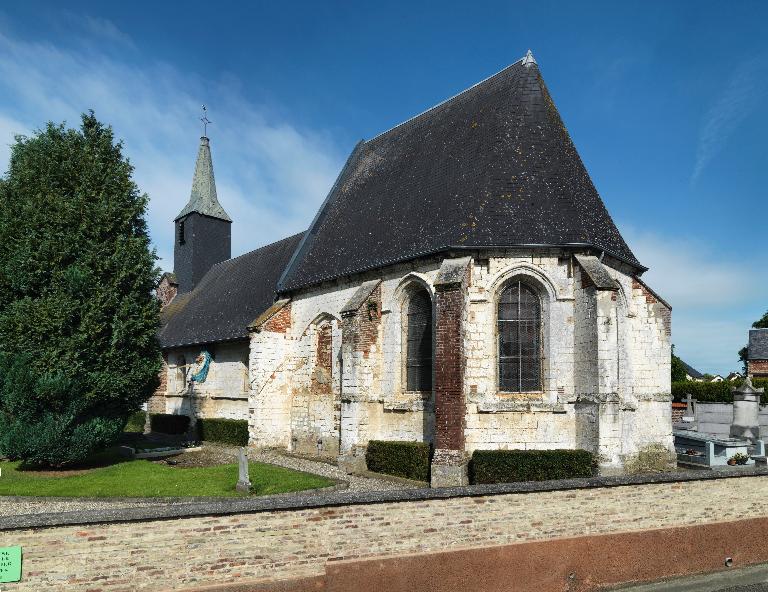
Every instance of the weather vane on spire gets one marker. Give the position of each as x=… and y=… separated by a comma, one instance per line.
x=205, y=121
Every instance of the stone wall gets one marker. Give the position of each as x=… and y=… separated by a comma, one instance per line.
x=275, y=545
x=605, y=356
x=156, y=403
x=226, y=388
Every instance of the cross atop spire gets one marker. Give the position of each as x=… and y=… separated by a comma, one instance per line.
x=205, y=121
x=529, y=60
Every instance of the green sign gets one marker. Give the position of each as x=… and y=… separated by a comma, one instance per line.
x=10, y=564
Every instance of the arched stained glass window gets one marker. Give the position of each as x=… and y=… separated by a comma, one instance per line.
x=519, y=320
x=419, y=342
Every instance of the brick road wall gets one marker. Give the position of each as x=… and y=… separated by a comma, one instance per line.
x=285, y=544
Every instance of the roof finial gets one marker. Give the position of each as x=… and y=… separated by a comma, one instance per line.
x=529, y=60
x=205, y=121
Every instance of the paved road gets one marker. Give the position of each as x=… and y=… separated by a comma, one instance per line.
x=748, y=579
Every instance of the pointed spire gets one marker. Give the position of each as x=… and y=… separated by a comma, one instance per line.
x=203, y=198
x=529, y=60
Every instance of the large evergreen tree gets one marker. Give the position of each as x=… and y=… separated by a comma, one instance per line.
x=78, y=320
x=678, y=370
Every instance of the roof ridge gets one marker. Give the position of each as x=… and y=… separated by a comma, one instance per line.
x=451, y=98
x=273, y=243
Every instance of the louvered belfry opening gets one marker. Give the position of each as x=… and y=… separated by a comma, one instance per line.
x=519, y=339
x=419, y=342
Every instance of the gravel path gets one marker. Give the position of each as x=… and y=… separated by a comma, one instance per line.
x=15, y=506
x=328, y=470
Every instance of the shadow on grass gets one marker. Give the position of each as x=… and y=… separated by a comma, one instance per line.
x=104, y=458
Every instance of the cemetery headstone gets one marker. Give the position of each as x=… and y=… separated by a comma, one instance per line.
x=243, y=480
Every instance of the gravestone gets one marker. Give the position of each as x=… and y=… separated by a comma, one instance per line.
x=243, y=480
x=689, y=415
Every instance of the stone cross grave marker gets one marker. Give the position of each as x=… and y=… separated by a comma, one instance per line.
x=243, y=480
x=689, y=415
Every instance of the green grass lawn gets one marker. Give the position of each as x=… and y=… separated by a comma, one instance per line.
x=141, y=478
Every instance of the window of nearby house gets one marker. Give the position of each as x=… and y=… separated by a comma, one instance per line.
x=181, y=233
x=519, y=320
x=419, y=342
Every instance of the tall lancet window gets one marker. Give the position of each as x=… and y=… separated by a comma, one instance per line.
x=519, y=339
x=418, y=364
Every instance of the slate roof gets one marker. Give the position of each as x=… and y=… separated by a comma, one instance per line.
x=758, y=344
x=691, y=371
x=597, y=272
x=203, y=198
x=228, y=298
x=493, y=166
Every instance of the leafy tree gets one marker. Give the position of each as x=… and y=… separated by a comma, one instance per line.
x=78, y=321
x=678, y=370
x=761, y=323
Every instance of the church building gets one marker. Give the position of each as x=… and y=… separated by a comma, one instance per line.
x=462, y=284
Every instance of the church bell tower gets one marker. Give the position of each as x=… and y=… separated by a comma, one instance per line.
x=203, y=234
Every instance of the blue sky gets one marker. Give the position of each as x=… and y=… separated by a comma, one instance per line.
x=667, y=103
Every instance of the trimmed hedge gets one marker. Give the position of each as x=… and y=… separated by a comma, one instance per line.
x=136, y=422
x=169, y=423
x=226, y=431
x=509, y=466
x=402, y=459
x=714, y=392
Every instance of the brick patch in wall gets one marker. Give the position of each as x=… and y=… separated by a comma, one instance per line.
x=678, y=411
x=450, y=409
x=361, y=327
x=321, y=377
x=280, y=322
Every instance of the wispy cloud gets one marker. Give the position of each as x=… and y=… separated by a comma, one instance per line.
x=730, y=108
x=105, y=30
x=714, y=298
x=271, y=175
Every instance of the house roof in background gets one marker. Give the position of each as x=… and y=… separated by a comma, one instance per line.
x=493, y=166
x=691, y=371
x=758, y=344
x=228, y=298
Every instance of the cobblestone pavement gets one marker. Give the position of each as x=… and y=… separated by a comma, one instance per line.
x=14, y=506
